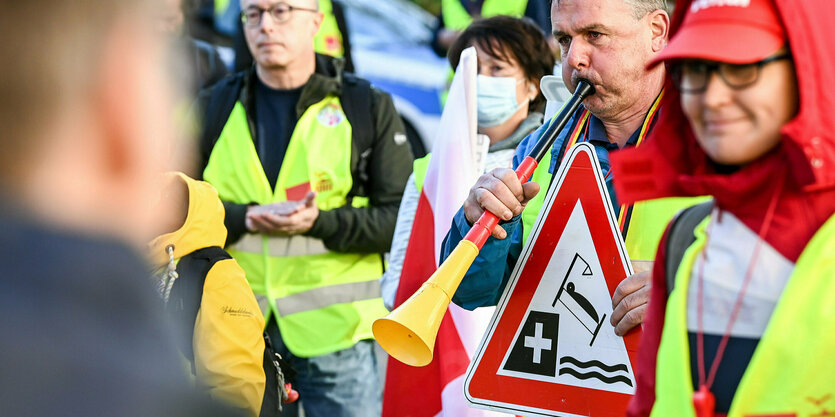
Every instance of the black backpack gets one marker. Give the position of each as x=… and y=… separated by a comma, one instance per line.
x=356, y=102
x=183, y=305
x=681, y=237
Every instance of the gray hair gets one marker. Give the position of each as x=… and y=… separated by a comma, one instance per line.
x=641, y=8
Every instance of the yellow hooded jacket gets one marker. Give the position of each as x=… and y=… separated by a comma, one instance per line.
x=228, y=333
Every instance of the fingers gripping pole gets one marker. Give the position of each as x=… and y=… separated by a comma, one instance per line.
x=483, y=228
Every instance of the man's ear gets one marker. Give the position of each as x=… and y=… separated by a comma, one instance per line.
x=116, y=94
x=318, y=17
x=659, y=22
x=133, y=99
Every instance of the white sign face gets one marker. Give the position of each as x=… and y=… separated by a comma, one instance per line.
x=566, y=336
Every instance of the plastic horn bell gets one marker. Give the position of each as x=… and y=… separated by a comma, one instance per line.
x=408, y=333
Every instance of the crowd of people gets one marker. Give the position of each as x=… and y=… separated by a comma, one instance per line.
x=230, y=260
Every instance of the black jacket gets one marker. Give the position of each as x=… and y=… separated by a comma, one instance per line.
x=82, y=331
x=345, y=229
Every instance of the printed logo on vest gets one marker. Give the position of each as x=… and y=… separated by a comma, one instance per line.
x=704, y=4
x=331, y=43
x=322, y=182
x=331, y=115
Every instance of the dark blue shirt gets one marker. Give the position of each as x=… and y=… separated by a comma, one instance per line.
x=275, y=120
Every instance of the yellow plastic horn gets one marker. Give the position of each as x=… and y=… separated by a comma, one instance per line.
x=408, y=333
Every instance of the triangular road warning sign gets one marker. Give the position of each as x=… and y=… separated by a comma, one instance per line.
x=550, y=349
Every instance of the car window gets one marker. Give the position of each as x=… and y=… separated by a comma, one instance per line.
x=375, y=22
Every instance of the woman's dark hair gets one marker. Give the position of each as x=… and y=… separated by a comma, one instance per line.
x=510, y=39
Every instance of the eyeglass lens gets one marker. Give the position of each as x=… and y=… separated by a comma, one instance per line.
x=694, y=75
x=280, y=14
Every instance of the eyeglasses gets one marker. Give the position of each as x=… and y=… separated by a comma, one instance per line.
x=281, y=12
x=693, y=76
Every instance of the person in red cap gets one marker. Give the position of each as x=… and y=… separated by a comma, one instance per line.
x=740, y=320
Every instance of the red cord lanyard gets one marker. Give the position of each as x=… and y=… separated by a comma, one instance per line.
x=703, y=400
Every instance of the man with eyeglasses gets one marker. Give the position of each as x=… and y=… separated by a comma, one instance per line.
x=311, y=163
x=608, y=43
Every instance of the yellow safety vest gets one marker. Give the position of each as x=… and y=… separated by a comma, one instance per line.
x=328, y=40
x=792, y=365
x=323, y=301
x=220, y=7
x=457, y=18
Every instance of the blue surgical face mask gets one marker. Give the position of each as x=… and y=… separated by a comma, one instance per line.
x=496, y=100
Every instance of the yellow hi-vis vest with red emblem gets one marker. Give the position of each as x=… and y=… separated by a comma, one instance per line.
x=457, y=18
x=323, y=301
x=791, y=372
x=328, y=40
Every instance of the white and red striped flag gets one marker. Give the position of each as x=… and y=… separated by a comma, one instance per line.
x=457, y=160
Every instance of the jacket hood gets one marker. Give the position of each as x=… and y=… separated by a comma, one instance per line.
x=202, y=228
x=671, y=163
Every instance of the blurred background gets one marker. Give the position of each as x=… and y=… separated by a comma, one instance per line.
x=391, y=43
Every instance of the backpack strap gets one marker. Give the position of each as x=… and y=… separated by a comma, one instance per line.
x=356, y=102
x=187, y=292
x=184, y=304
x=681, y=237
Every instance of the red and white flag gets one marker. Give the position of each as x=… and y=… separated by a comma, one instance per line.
x=457, y=160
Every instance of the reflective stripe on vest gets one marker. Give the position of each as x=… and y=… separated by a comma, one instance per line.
x=790, y=369
x=649, y=218
x=297, y=245
x=457, y=18
x=263, y=303
x=325, y=296
x=281, y=269
x=328, y=40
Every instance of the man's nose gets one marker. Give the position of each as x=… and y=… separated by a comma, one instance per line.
x=267, y=21
x=577, y=56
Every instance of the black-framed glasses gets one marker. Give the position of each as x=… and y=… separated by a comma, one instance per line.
x=281, y=12
x=692, y=76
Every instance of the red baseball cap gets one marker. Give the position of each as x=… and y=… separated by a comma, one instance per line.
x=733, y=31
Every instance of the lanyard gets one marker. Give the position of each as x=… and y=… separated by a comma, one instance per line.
x=581, y=134
x=703, y=400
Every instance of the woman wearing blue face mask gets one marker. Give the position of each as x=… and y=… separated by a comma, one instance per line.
x=513, y=56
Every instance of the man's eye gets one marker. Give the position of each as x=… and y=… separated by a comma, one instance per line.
x=564, y=40
x=595, y=35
